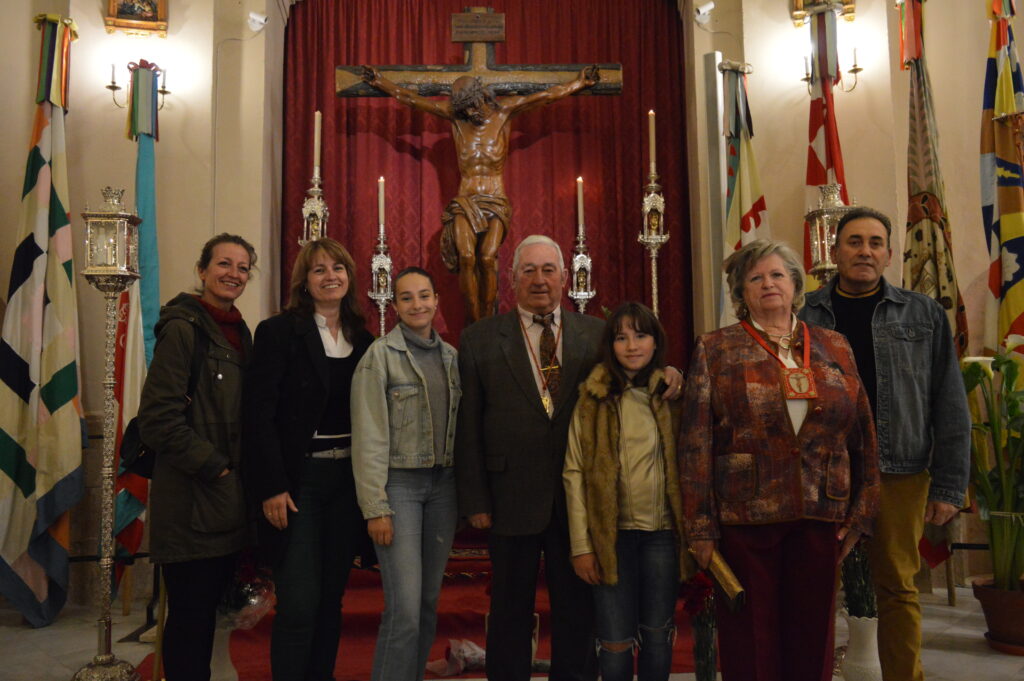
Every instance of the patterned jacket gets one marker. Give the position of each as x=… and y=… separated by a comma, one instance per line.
x=739, y=459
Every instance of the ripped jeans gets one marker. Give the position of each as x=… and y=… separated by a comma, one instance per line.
x=412, y=567
x=638, y=611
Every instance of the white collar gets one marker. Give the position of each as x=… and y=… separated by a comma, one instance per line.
x=527, y=316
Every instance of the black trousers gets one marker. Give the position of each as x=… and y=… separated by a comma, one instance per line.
x=194, y=590
x=515, y=561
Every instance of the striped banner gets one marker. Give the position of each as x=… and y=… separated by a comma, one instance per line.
x=41, y=427
x=746, y=213
x=139, y=309
x=928, y=259
x=1002, y=190
x=824, y=154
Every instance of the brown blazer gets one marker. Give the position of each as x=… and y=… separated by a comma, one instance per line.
x=739, y=460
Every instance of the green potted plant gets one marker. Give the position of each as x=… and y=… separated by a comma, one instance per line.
x=860, y=659
x=997, y=477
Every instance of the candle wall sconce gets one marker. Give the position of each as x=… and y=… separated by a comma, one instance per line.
x=801, y=12
x=115, y=88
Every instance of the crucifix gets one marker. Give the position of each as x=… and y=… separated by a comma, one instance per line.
x=484, y=96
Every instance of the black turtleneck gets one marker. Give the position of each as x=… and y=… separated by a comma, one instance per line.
x=853, y=320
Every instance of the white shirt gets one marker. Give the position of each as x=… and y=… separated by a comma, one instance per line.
x=532, y=332
x=797, y=408
x=334, y=348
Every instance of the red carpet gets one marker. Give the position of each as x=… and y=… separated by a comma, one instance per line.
x=460, y=616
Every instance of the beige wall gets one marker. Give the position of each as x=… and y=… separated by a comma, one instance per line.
x=99, y=154
x=872, y=119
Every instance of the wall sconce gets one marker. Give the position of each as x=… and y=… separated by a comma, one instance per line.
x=114, y=87
x=801, y=11
x=853, y=71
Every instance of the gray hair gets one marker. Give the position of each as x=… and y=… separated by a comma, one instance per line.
x=739, y=264
x=537, y=239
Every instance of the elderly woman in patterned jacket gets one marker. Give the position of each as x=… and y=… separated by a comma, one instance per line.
x=779, y=468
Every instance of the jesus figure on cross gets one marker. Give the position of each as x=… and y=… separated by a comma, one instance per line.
x=476, y=220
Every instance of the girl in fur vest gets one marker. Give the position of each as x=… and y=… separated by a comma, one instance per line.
x=622, y=492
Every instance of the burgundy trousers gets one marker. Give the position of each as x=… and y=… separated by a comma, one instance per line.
x=785, y=629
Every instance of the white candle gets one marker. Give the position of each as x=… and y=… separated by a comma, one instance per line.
x=316, y=139
x=112, y=73
x=579, y=201
x=380, y=200
x=807, y=66
x=650, y=141
x=163, y=73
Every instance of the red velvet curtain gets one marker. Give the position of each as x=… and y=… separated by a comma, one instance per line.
x=604, y=139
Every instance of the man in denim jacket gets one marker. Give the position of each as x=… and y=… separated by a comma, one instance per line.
x=907, y=361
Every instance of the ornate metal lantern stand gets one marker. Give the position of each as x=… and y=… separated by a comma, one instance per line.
x=111, y=264
x=654, y=233
x=822, y=221
x=380, y=269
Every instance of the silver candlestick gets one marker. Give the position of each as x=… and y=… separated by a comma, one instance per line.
x=380, y=268
x=314, y=211
x=111, y=264
x=582, y=269
x=653, y=233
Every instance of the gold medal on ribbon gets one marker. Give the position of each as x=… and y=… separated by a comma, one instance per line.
x=797, y=383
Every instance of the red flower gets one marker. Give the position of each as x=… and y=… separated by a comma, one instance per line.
x=696, y=593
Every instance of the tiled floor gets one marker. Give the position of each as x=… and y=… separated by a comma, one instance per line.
x=954, y=646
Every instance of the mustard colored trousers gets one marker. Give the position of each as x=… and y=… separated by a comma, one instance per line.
x=894, y=560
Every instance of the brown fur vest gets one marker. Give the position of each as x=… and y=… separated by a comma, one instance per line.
x=599, y=443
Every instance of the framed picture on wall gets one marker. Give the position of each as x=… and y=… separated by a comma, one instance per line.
x=139, y=17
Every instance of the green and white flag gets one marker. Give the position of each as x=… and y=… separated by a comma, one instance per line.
x=40, y=410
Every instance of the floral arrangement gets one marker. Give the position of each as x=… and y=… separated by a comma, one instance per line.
x=698, y=594
x=997, y=461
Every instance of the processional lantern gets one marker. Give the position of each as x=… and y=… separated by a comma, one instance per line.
x=111, y=265
x=822, y=222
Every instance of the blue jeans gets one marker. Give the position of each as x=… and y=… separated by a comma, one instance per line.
x=640, y=608
x=424, y=505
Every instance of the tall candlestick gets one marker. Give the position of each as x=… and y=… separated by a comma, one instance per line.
x=650, y=141
x=316, y=139
x=112, y=73
x=807, y=66
x=163, y=86
x=380, y=200
x=579, y=203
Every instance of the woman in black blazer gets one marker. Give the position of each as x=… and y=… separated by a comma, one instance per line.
x=299, y=453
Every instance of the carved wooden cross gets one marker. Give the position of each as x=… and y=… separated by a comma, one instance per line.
x=479, y=29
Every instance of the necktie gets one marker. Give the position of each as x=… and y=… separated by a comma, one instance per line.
x=549, y=367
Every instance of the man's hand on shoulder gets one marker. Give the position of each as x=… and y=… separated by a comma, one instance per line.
x=939, y=512
x=674, y=380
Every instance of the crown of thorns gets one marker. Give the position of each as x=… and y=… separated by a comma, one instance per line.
x=473, y=94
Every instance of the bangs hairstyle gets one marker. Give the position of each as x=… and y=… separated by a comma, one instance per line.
x=299, y=298
x=641, y=319
x=738, y=265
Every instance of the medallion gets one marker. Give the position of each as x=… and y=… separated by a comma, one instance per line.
x=798, y=384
